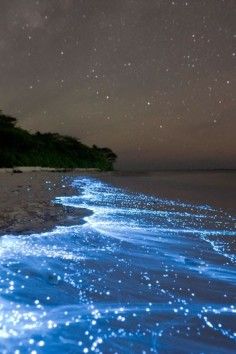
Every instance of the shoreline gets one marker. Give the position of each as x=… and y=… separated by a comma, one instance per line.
x=26, y=199
x=28, y=169
x=26, y=202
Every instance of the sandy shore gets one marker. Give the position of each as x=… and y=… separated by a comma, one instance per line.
x=26, y=202
x=46, y=169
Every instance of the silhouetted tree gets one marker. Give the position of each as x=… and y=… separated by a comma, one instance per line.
x=21, y=148
x=7, y=121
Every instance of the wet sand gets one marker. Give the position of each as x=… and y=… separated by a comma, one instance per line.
x=26, y=202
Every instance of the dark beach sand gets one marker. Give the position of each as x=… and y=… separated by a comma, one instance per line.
x=26, y=202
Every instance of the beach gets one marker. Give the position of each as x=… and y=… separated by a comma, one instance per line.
x=26, y=201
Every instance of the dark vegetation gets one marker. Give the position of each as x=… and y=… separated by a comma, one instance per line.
x=18, y=147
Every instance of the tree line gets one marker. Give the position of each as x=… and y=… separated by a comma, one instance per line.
x=18, y=147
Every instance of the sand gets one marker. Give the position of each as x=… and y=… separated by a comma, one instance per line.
x=26, y=202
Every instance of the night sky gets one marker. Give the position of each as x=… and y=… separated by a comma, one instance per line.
x=151, y=79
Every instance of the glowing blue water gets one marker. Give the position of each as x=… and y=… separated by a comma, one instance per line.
x=142, y=275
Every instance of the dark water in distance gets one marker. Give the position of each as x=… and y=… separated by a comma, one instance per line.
x=216, y=188
x=142, y=275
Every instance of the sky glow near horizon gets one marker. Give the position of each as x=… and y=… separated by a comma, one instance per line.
x=142, y=274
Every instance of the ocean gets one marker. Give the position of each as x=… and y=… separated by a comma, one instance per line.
x=151, y=270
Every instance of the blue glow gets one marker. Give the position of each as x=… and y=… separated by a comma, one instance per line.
x=142, y=275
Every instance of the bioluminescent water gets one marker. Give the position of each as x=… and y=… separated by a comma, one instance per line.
x=141, y=275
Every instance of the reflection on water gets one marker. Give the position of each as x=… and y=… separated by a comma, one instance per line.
x=142, y=275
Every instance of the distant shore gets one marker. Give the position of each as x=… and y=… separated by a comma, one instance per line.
x=22, y=169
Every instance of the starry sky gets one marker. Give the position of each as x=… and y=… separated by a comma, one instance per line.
x=151, y=79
